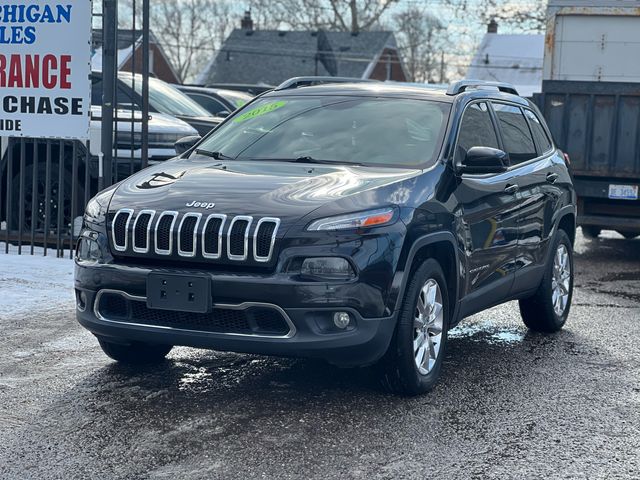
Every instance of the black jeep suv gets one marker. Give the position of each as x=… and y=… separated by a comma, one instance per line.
x=352, y=222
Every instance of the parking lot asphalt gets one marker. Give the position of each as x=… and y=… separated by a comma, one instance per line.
x=510, y=404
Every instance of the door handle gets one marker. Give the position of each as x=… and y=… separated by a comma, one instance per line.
x=552, y=177
x=511, y=188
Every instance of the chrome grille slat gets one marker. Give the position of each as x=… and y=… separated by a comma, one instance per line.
x=265, y=221
x=135, y=231
x=122, y=245
x=245, y=241
x=163, y=251
x=143, y=213
x=194, y=235
x=218, y=253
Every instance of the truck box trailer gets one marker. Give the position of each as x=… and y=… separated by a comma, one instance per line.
x=591, y=100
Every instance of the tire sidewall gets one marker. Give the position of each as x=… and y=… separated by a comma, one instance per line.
x=561, y=238
x=416, y=382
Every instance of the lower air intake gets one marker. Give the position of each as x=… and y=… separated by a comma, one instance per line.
x=254, y=320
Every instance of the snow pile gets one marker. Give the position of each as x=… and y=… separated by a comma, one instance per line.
x=32, y=283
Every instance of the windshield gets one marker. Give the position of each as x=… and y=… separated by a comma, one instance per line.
x=166, y=99
x=237, y=99
x=360, y=130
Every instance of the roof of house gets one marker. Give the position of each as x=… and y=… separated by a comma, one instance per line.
x=515, y=59
x=125, y=40
x=271, y=56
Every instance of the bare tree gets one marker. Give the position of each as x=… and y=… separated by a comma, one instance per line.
x=421, y=39
x=189, y=31
x=521, y=16
x=340, y=15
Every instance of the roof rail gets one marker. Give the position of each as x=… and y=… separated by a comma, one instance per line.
x=464, y=85
x=296, y=82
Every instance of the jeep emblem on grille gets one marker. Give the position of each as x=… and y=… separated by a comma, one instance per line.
x=201, y=205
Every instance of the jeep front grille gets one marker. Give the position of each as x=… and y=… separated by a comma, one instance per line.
x=192, y=235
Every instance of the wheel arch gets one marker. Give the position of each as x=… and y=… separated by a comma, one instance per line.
x=442, y=247
x=567, y=222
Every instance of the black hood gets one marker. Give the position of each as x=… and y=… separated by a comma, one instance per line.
x=288, y=191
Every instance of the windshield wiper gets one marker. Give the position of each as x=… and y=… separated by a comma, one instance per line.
x=308, y=159
x=216, y=155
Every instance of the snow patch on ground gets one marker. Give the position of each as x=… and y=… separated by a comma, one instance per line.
x=34, y=282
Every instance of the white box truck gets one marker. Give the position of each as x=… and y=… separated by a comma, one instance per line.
x=591, y=100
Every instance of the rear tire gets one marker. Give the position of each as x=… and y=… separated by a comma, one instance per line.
x=412, y=363
x=627, y=234
x=590, y=231
x=135, y=353
x=547, y=310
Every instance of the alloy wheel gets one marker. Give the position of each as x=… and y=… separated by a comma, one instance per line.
x=561, y=281
x=427, y=325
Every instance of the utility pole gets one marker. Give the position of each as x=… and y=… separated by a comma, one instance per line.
x=145, y=83
x=109, y=72
x=442, y=66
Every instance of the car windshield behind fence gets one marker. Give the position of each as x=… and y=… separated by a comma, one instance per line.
x=359, y=130
x=165, y=98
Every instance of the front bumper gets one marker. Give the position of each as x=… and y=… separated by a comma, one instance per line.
x=304, y=305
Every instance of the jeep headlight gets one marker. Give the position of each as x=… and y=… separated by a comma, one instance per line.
x=96, y=210
x=369, y=218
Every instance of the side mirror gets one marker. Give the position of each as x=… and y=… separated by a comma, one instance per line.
x=223, y=113
x=484, y=160
x=186, y=143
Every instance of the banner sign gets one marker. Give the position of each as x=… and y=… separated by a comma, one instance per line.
x=45, y=63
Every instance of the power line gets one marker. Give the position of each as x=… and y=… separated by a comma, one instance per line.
x=390, y=61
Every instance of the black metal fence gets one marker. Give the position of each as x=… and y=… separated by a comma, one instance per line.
x=46, y=183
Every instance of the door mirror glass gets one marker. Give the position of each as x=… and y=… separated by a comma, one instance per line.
x=484, y=160
x=186, y=143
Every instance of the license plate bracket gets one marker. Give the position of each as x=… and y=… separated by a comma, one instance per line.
x=623, y=192
x=178, y=292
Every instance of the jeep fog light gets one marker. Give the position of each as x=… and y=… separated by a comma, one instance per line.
x=333, y=268
x=341, y=320
x=81, y=300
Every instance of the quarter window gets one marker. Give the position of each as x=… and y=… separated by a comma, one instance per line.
x=539, y=135
x=476, y=130
x=516, y=135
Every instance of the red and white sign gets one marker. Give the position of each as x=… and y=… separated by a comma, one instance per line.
x=45, y=63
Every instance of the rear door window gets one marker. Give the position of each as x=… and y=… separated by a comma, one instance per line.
x=476, y=130
x=516, y=136
x=539, y=135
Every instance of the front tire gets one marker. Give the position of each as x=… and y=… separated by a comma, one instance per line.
x=412, y=363
x=135, y=353
x=547, y=310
